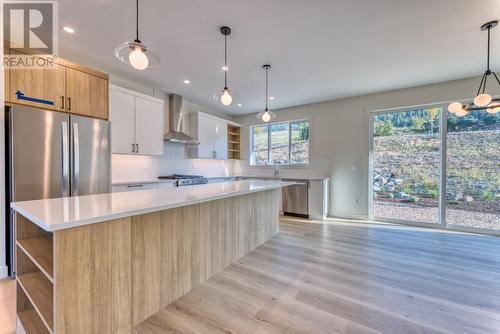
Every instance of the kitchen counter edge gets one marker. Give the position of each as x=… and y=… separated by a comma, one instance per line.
x=58, y=223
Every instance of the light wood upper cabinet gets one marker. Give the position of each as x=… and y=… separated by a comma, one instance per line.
x=67, y=87
x=46, y=84
x=86, y=94
x=137, y=124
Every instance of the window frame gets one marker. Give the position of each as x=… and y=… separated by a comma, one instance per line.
x=268, y=125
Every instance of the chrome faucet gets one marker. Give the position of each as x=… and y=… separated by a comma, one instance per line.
x=276, y=168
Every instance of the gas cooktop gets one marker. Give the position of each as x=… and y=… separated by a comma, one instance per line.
x=185, y=180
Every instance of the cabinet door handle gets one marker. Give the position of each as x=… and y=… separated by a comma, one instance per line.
x=69, y=103
x=62, y=102
x=133, y=148
x=136, y=148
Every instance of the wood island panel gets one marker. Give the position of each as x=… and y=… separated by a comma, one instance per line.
x=177, y=249
x=92, y=278
x=110, y=276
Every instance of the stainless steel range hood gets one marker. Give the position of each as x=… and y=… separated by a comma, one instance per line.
x=175, y=134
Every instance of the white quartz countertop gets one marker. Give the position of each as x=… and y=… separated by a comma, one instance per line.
x=62, y=213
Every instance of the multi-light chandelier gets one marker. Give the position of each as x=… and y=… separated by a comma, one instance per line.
x=483, y=100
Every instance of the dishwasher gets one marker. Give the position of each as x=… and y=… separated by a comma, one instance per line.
x=296, y=198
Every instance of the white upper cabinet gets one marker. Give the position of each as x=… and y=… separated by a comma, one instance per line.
x=148, y=127
x=211, y=132
x=121, y=115
x=137, y=123
x=220, y=139
x=205, y=134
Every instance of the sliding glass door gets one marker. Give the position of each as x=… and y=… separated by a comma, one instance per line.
x=405, y=165
x=473, y=171
x=428, y=166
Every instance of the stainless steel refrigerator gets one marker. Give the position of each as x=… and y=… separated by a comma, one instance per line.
x=52, y=154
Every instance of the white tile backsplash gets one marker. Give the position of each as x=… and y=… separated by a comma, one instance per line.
x=133, y=168
x=174, y=161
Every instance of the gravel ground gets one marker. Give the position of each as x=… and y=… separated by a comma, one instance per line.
x=416, y=213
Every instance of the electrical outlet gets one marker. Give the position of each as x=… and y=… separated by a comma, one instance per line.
x=355, y=201
x=354, y=167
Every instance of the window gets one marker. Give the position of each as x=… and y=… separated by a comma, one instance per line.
x=285, y=143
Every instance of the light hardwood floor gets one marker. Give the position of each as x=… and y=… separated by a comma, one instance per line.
x=341, y=278
x=7, y=306
x=348, y=278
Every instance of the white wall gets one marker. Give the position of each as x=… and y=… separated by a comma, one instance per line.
x=339, y=138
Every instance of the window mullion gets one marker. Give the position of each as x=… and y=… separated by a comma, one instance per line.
x=443, y=166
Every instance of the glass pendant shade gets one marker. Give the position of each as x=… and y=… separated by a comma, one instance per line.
x=455, y=107
x=226, y=97
x=482, y=100
x=266, y=116
x=137, y=55
x=462, y=113
x=493, y=108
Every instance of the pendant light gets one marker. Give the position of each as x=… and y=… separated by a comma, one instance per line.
x=225, y=96
x=266, y=115
x=136, y=54
x=482, y=100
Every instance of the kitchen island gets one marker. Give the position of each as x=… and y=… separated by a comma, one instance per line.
x=105, y=263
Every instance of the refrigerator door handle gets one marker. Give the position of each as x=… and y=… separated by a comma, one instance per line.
x=76, y=159
x=65, y=160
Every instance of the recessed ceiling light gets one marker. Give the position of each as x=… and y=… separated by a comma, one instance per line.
x=239, y=105
x=271, y=98
x=187, y=82
x=69, y=30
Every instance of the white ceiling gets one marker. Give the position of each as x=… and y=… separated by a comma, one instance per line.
x=319, y=49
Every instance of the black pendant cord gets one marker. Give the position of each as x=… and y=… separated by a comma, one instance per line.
x=137, y=22
x=480, y=84
x=489, y=39
x=267, y=89
x=226, y=69
x=488, y=72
